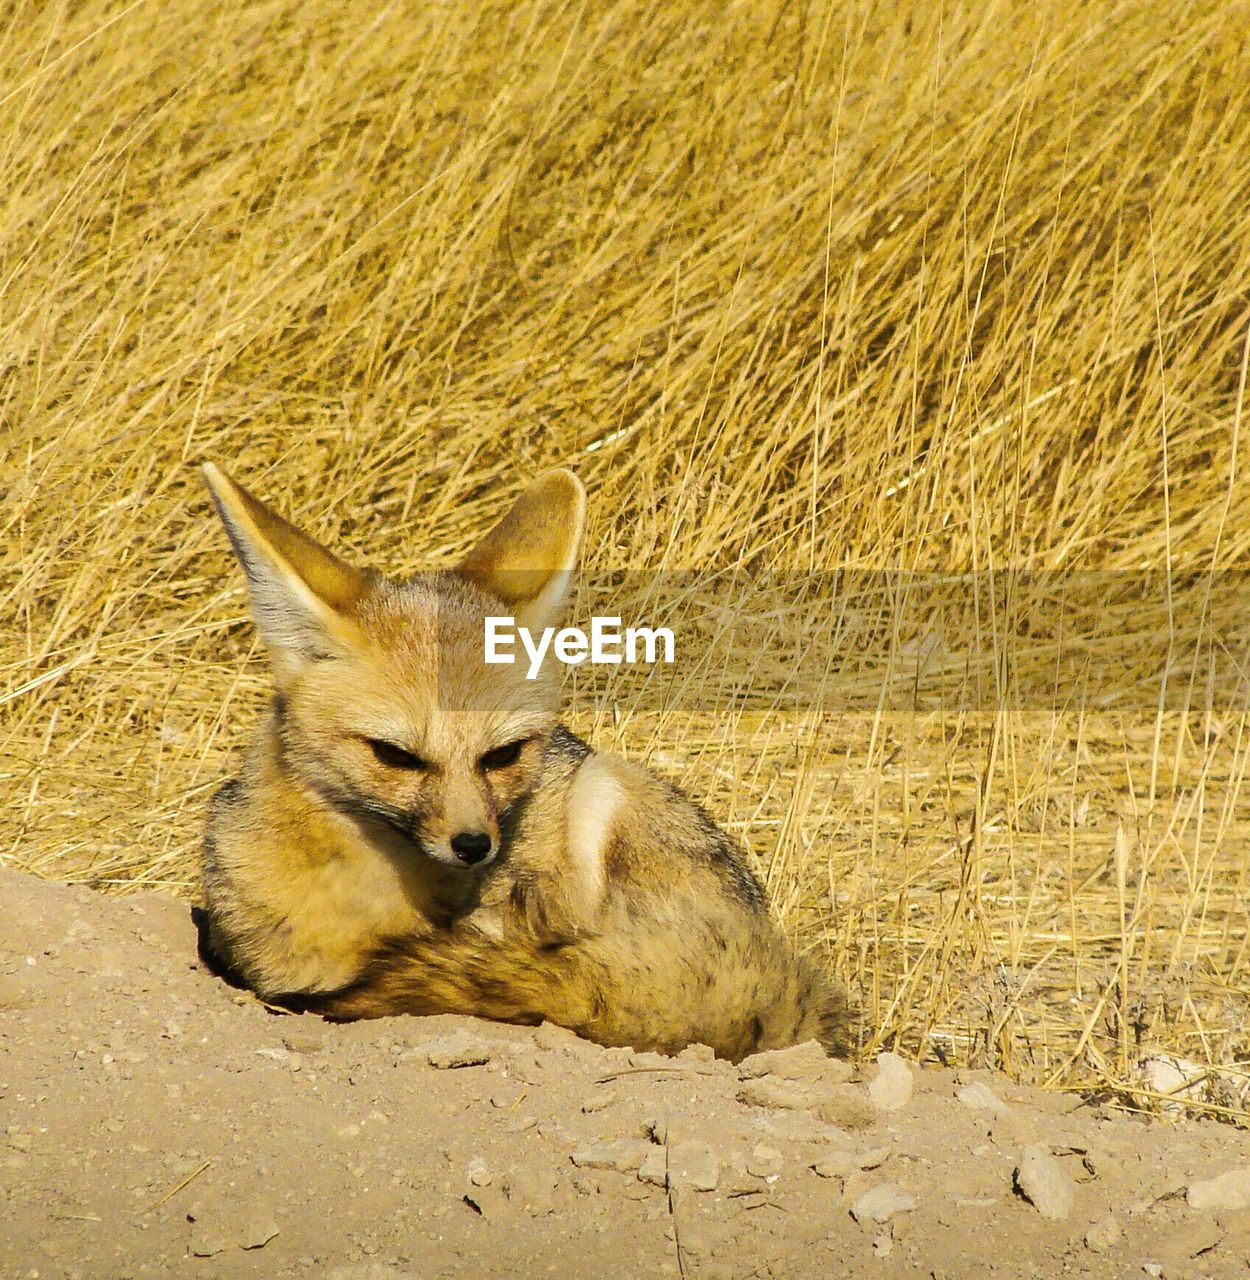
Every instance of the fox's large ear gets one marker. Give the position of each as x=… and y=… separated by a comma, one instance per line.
x=527, y=559
x=301, y=593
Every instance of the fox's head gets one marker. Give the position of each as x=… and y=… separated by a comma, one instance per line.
x=385, y=705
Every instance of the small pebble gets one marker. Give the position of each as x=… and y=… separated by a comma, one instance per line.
x=980, y=1097
x=645, y=1060
x=1228, y=1190
x=698, y=1053
x=623, y=1155
x=847, y=1106
x=806, y=1061
x=1173, y=1080
x=890, y=1089
x=1041, y=1180
x=882, y=1202
x=460, y=1050
x=556, y=1039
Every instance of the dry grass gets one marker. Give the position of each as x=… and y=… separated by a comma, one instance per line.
x=887, y=287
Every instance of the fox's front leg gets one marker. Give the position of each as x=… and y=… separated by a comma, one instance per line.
x=561, y=880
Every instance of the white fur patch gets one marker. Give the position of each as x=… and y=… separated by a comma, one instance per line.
x=595, y=799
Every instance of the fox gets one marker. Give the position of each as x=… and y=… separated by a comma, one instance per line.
x=415, y=831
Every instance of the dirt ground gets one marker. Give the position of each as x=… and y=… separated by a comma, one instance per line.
x=157, y=1122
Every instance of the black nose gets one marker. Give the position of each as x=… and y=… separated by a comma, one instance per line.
x=470, y=846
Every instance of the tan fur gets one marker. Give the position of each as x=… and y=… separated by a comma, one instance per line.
x=609, y=902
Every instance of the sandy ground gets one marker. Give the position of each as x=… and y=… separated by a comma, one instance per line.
x=157, y=1122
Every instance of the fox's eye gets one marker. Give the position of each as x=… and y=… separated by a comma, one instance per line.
x=502, y=757
x=396, y=757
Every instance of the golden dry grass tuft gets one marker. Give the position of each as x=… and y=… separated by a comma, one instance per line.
x=907, y=287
